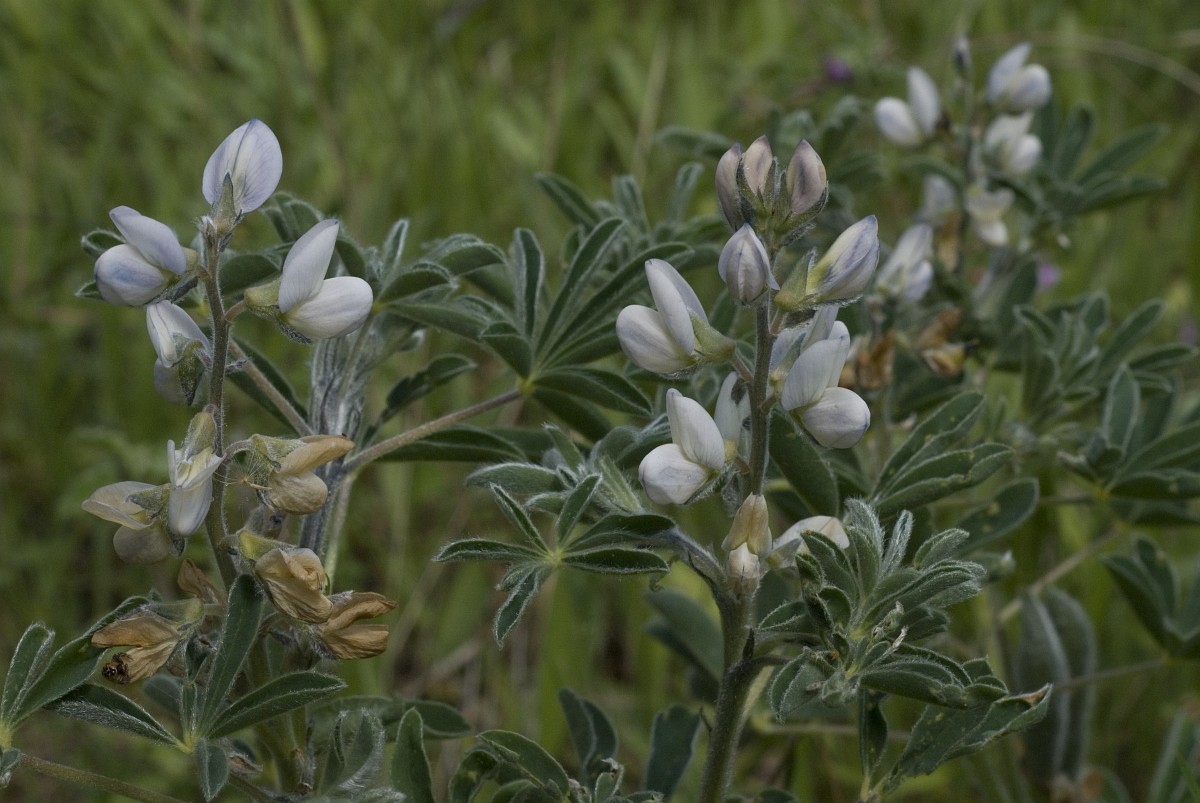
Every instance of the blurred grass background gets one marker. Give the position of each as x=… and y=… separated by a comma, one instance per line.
x=441, y=112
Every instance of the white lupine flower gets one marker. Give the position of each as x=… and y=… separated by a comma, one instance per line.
x=314, y=306
x=986, y=210
x=910, y=124
x=745, y=267
x=674, y=337
x=140, y=270
x=817, y=368
x=908, y=273
x=138, y=507
x=252, y=159
x=676, y=472
x=838, y=420
x=1009, y=142
x=1016, y=87
x=179, y=343
x=730, y=416
x=791, y=542
x=745, y=570
x=841, y=274
x=190, y=470
x=939, y=200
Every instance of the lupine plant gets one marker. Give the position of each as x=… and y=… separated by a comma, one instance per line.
x=839, y=451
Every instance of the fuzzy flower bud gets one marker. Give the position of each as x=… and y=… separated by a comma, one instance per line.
x=251, y=160
x=295, y=581
x=728, y=195
x=751, y=527
x=745, y=267
x=149, y=262
x=807, y=183
x=745, y=570
x=1014, y=86
x=677, y=472
x=346, y=640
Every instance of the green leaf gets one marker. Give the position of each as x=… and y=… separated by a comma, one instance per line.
x=796, y=683
x=28, y=660
x=69, y=668
x=686, y=178
x=212, y=765
x=275, y=697
x=1077, y=637
x=1070, y=144
x=1128, y=148
x=672, y=745
x=1149, y=584
x=692, y=142
x=1165, y=484
x=575, y=411
x=515, y=512
x=1180, y=447
x=459, y=443
x=474, y=769
x=529, y=268
x=523, y=591
x=516, y=478
x=510, y=345
x=457, y=315
x=530, y=757
x=693, y=632
x=942, y=428
x=9, y=758
x=872, y=730
x=274, y=376
x=941, y=734
x=1008, y=509
x=415, y=279
x=410, y=765
x=571, y=293
x=356, y=752
x=569, y=198
x=591, y=732
x=806, y=471
x=602, y=387
x=486, y=549
x=1128, y=335
x=574, y=506
x=103, y=706
x=441, y=721
x=627, y=196
x=243, y=270
x=941, y=476
x=616, y=560
x=1121, y=404
x=238, y=635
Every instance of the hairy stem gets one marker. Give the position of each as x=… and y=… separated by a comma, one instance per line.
x=93, y=780
x=732, y=697
x=415, y=434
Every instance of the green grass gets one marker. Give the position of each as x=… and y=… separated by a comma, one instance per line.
x=442, y=112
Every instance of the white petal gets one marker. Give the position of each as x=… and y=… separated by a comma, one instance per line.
x=727, y=189
x=165, y=320
x=694, y=430
x=1029, y=89
x=828, y=526
x=645, y=340
x=187, y=507
x=817, y=367
x=143, y=546
x=896, y=122
x=1004, y=69
x=756, y=164
x=838, y=420
x=252, y=158
x=111, y=503
x=340, y=306
x=730, y=415
x=745, y=267
x=306, y=264
x=923, y=100
x=669, y=477
x=154, y=240
x=126, y=279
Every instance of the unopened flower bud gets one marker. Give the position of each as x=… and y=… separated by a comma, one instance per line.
x=346, y=640
x=751, y=526
x=675, y=473
x=745, y=267
x=728, y=195
x=841, y=274
x=148, y=264
x=757, y=164
x=923, y=100
x=807, y=182
x=295, y=581
x=744, y=570
x=251, y=160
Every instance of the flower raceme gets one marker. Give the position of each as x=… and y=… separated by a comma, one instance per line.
x=145, y=266
x=674, y=337
x=305, y=304
x=678, y=472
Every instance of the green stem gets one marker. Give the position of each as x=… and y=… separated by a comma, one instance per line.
x=731, y=702
x=215, y=520
x=93, y=780
x=759, y=410
x=1109, y=674
x=336, y=525
x=285, y=408
x=415, y=434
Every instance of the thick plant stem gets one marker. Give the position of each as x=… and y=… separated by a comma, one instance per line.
x=729, y=716
x=428, y=428
x=93, y=780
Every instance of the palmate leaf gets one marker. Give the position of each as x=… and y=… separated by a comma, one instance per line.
x=571, y=295
x=275, y=697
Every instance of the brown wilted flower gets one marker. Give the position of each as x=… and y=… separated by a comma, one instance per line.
x=295, y=579
x=347, y=640
x=290, y=485
x=151, y=640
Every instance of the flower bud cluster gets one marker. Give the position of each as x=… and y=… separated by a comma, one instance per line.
x=751, y=188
